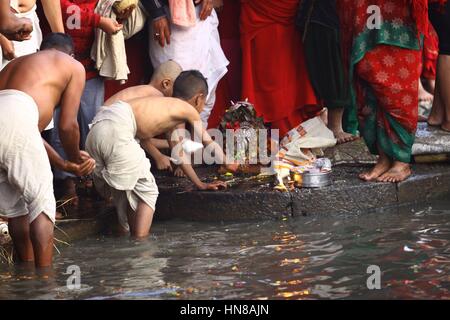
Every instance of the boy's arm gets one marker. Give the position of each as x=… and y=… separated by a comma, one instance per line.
x=175, y=144
x=53, y=13
x=70, y=103
x=162, y=161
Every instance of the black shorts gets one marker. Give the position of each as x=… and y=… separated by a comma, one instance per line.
x=440, y=18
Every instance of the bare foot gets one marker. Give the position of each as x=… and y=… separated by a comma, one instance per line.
x=59, y=215
x=424, y=95
x=344, y=137
x=399, y=172
x=381, y=167
x=445, y=126
x=179, y=173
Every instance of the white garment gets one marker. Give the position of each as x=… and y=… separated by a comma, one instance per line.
x=22, y=48
x=108, y=51
x=196, y=48
x=26, y=179
x=122, y=169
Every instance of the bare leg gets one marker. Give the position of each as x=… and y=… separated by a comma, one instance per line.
x=424, y=95
x=70, y=192
x=437, y=111
x=140, y=221
x=41, y=234
x=19, y=229
x=442, y=111
x=430, y=85
x=335, y=116
x=399, y=172
x=444, y=82
x=383, y=165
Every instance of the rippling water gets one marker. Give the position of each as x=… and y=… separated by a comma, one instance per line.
x=302, y=258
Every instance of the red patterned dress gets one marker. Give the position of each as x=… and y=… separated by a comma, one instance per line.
x=384, y=66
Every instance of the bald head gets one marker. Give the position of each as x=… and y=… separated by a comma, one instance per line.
x=164, y=77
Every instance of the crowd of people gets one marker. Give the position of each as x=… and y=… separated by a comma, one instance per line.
x=362, y=66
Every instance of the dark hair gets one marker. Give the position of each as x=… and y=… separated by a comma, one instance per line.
x=188, y=84
x=59, y=41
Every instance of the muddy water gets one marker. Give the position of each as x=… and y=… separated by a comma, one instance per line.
x=303, y=258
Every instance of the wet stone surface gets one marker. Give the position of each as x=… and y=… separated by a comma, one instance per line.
x=256, y=200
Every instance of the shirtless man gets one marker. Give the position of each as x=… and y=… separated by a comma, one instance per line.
x=161, y=85
x=122, y=169
x=30, y=88
x=27, y=9
x=11, y=27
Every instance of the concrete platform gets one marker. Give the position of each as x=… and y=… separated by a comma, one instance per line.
x=256, y=200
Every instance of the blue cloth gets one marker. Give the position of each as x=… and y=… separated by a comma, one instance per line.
x=91, y=101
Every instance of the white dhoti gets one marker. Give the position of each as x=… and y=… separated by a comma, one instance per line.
x=22, y=48
x=26, y=179
x=122, y=169
x=196, y=48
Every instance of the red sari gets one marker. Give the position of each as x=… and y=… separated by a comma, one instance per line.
x=384, y=65
x=274, y=75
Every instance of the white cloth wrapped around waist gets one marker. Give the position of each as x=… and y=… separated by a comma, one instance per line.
x=26, y=179
x=122, y=169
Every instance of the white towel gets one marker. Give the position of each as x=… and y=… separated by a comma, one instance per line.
x=26, y=179
x=108, y=51
x=122, y=169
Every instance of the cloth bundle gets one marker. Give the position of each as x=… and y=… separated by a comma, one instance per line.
x=301, y=145
x=108, y=51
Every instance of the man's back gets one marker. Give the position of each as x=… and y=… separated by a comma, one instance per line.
x=44, y=76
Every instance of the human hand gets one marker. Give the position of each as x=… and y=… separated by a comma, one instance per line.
x=218, y=5
x=207, y=7
x=20, y=31
x=213, y=186
x=109, y=25
x=161, y=31
x=232, y=167
x=179, y=173
x=8, y=49
x=83, y=169
x=163, y=163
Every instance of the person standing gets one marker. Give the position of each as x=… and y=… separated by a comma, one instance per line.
x=319, y=22
x=274, y=74
x=93, y=94
x=192, y=40
x=383, y=54
x=440, y=18
x=27, y=9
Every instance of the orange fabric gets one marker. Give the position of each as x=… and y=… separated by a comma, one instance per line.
x=274, y=75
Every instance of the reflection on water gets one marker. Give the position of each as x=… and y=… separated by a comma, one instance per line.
x=303, y=258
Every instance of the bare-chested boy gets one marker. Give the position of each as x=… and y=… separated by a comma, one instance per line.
x=30, y=88
x=122, y=168
x=161, y=85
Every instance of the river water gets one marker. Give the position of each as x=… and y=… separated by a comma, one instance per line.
x=301, y=258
